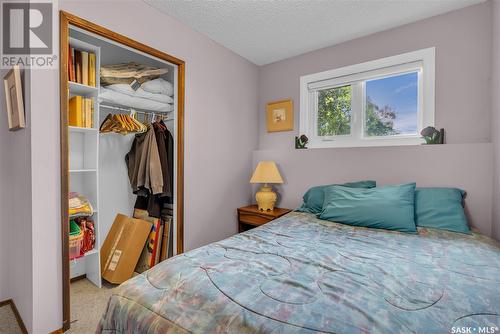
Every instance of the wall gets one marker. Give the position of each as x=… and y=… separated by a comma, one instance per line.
x=457, y=167
x=463, y=55
x=221, y=99
x=495, y=123
x=463, y=107
x=16, y=281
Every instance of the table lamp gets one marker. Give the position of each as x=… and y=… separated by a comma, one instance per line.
x=266, y=172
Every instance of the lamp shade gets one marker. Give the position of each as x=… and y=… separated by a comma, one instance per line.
x=266, y=172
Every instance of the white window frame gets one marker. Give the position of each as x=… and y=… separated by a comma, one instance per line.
x=422, y=61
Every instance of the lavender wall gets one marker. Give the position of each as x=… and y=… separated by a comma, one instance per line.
x=495, y=122
x=463, y=55
x=463, y=107
x=16, y=270
x=466, y=166
x=221, y=126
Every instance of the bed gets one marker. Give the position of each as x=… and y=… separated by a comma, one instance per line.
x=299, y=274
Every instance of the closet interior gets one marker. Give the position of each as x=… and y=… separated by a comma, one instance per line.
x=122, y=142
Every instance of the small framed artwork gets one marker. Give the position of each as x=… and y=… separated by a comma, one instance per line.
x=280, y=116
x=14, y=99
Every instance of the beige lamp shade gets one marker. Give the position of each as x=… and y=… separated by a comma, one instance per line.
x=266, y=172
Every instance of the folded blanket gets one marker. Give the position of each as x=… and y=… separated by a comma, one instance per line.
x=126, y=73
x=158, y=86
x=116, y=98
x=126, y=89
x=80, y=206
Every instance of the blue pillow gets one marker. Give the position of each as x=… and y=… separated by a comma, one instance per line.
x=441, y=208
x=315, y=196
x=389, y=207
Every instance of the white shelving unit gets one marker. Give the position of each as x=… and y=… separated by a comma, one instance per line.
x=97, y=165
x=83, y=165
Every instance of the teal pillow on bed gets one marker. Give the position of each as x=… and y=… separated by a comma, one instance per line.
x=315, y=196
x=389, y=207
x=441, y=208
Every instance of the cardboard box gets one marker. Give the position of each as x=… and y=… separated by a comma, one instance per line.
x=122, y=248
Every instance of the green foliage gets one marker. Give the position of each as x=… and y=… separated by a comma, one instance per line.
x=379, y=121
x=334, y=114
x=334, y=111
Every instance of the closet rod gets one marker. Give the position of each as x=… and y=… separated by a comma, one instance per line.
x=144, y=112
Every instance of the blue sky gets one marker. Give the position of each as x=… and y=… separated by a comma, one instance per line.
x=401, y=94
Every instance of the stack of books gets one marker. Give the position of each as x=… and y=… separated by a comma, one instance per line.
x=81, y=112
x=81, y=67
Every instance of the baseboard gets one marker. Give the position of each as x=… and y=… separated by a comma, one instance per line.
x=77, y=278
x=13, y=307
x=57, y=331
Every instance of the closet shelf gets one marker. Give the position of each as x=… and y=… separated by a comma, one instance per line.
x=81, y=130
x=84, y=90
x=137, y=110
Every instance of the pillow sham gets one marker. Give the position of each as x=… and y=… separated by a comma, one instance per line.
x=315, y=196
x=441, y=208
x=389, y=207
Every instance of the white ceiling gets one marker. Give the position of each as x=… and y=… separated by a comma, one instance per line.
x=265, y=31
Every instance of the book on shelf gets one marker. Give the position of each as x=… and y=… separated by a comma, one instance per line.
x=85, y=68
x=81, y=112
x=82, y=67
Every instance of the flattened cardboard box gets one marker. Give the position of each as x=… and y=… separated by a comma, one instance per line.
x=122, y=248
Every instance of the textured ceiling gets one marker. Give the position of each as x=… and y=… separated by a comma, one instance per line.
x=265, y=31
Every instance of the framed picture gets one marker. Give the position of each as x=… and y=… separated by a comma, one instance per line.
x=280, y=116
x=14, y=99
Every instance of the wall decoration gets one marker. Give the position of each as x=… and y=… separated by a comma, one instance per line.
x=301, y=142
x=432, y=135
x=280, y=116
x=14, y=99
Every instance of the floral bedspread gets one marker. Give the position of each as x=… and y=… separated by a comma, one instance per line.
x=299, y=274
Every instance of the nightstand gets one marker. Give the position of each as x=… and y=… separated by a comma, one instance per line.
x=250, y=216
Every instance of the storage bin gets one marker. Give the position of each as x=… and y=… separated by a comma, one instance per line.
x=75, y=240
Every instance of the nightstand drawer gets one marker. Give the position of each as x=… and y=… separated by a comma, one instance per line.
x=254, y=219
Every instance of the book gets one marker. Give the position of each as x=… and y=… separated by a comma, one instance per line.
x=148, y=255
x=73, y=72
x=167, y=225
x=85, y=68
x=78, y=66
x=70, y=64
x=75, y=108
x=92, y=74
x=158, y=247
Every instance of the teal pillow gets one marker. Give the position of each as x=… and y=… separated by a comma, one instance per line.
x=441, y=208
x=389, y=207
x=315, y=196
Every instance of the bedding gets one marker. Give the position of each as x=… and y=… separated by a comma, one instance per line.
x=315, y=196
x=388, y=207
x=128, y=90
x=159, y=86
x=299, y=274
x=117, y=98
x=441, y=208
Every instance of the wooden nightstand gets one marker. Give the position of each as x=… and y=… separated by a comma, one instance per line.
x=250, y=216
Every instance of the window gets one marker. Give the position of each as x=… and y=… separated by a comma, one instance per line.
x=379, y=103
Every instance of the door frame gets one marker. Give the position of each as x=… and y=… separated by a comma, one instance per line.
x=65, y=20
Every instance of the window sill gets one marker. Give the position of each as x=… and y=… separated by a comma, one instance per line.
x=366, y=143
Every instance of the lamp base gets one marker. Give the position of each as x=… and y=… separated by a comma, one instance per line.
x=266, y=198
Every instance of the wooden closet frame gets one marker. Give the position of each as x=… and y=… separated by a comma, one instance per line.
x=65, y=20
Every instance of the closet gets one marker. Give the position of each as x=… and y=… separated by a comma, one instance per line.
x=108, y=115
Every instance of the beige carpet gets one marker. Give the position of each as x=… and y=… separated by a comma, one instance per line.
x=88, y=304
x=8, y=321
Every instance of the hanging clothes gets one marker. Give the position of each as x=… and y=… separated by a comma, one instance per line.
x=155, y=204
x=143, y=164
